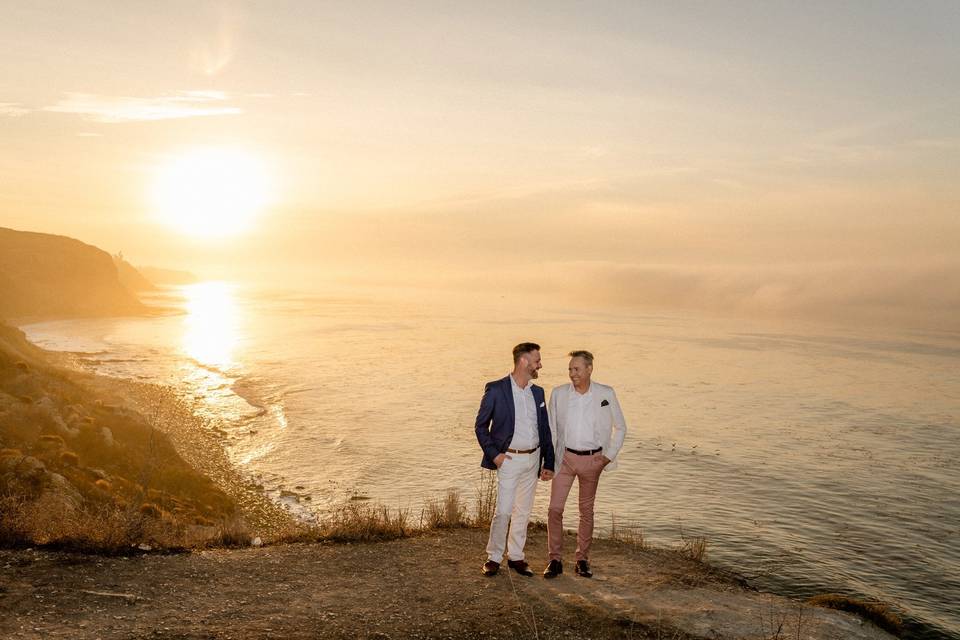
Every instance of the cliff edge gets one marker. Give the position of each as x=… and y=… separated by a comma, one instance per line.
x=44, y=275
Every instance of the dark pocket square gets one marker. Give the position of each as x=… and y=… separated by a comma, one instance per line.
x=604, y=403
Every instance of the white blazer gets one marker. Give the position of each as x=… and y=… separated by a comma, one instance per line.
x=610, y=425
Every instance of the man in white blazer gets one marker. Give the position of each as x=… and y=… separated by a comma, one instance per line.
x=588, y=430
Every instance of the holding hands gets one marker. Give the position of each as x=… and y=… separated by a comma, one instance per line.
x=546, y=474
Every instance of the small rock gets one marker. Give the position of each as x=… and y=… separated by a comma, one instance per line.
x=257, y=542
x=143, y=546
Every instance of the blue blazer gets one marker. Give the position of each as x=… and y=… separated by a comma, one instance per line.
x=496, y=419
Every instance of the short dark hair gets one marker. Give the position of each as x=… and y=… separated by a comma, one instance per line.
x=522, y=348
x=586, y=355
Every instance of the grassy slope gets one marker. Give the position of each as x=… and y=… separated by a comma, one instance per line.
x=77, y=472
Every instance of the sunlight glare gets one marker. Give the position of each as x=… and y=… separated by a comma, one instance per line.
x=211, y=323
x=211, y=192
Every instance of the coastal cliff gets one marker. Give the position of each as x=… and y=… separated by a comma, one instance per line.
x=131, y=277
x=44, y=275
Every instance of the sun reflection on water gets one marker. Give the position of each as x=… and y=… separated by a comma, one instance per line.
x=212, y=323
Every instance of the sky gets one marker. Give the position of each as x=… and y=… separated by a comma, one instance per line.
x=738, y=157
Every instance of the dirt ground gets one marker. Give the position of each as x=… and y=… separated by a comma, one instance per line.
x=423, y=587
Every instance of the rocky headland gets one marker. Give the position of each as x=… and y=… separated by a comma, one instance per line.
x=50, y=276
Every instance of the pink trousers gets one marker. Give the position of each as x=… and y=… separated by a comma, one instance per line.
x=587, y=470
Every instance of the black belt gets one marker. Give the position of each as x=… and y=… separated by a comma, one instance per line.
x=585, y=453
x=523, y=450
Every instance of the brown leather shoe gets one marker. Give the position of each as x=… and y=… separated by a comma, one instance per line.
x=554, y=568
x=521, y=567
x=582, y=568
x=490, y=568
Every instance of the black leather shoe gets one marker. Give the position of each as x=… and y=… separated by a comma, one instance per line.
x=490, y=568
x=554, y=568
x=582, y=568
x=521, y=567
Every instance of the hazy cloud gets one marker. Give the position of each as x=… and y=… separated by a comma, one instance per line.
x=926, y=293
x=12, y=109
x=938, y=143
x=110, y=109
x=205, y=94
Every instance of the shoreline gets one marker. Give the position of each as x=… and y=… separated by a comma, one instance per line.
x=149, y=311
x=200, y=446
x=194, y=438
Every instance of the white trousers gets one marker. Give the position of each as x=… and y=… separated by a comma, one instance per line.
x=516, y=486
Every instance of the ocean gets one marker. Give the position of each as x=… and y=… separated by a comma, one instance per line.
x=812, y=458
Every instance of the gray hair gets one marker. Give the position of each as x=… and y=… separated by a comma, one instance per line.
x=586, y=355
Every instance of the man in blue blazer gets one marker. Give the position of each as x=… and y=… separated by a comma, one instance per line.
x=513, y=430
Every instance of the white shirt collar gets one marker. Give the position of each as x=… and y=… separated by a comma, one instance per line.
x=517, y=387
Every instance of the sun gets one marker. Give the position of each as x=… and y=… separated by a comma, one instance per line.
x=210, y=193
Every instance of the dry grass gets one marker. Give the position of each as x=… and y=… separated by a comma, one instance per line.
x=358, y=521
x=486, y=499
x=448, y=512
x=232, y=533
x=104, y=529
x=694, y=548
x=627, y=531
x=295, y=533
x=362, y=522
x=876, y=612
x=783, y=622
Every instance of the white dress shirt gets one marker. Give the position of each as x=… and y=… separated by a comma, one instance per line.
x=610, y=426
x=581, y=433
x=525, y=434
